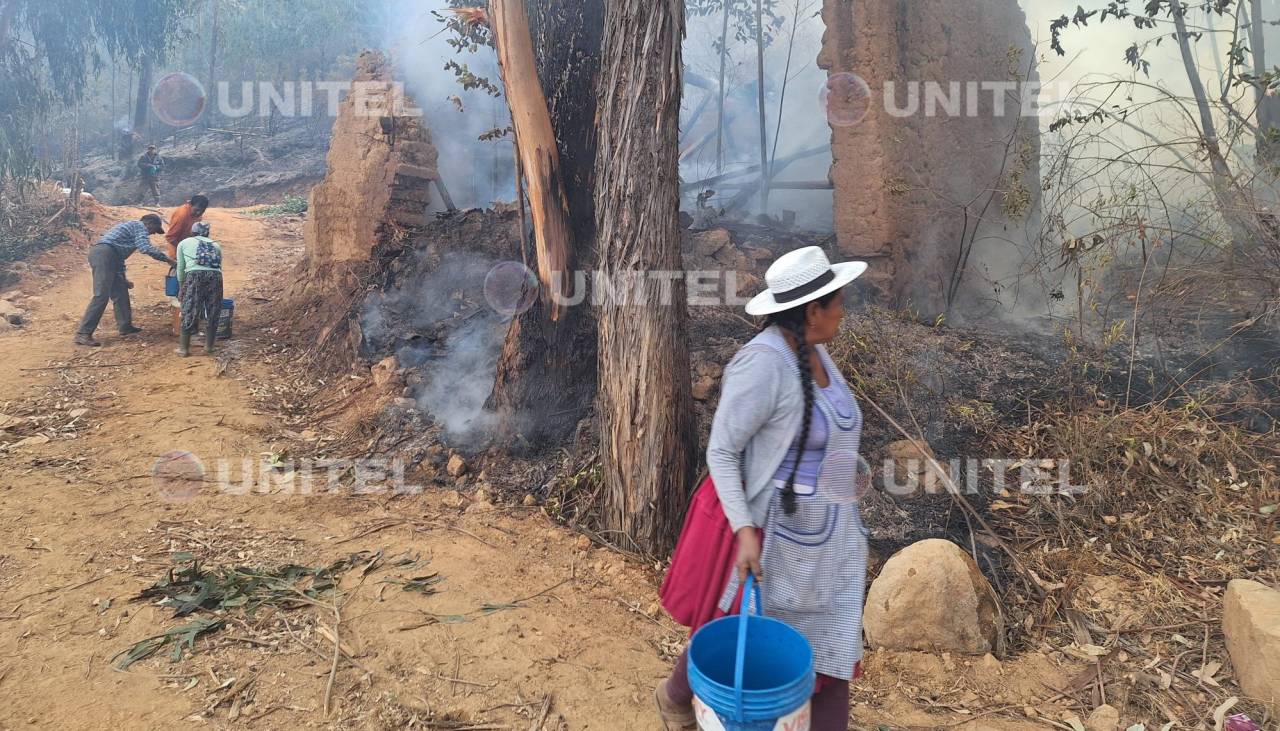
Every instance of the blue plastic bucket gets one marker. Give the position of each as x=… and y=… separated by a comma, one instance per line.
x=751, y=673
x=224, y=322
x=171, y=284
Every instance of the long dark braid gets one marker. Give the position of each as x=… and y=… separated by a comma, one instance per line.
x=793, y=321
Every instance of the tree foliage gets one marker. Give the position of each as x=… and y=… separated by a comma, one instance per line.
x=46, y=58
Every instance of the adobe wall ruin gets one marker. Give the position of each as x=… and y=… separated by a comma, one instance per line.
x=920, y=195
x=380, y=168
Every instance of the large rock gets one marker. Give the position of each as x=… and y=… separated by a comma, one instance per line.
x=706, y=244
x=1251, y=622
x=931, y=596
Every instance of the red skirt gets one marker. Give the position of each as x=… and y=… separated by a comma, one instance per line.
x=704, y=560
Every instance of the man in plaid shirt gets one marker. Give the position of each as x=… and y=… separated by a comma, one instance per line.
x=106, y=258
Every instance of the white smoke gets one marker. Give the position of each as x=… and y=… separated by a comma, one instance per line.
x=437, y=322
x=476, y=172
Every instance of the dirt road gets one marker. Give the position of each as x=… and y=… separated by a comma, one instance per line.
x=456, y=614
x=84, y=527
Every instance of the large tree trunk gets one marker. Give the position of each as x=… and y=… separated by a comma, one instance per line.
x=649, y=445
x=144, y=95
x=546, y=379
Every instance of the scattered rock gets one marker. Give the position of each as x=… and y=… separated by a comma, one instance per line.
x=990, y=664
x=481, y=506
x=16, y=320
x=5, y=326
x=454, y=499
x=9, y=309
x=582, y=543
x=758, y=253
x=435, y=453
x=709, y=243
x=529, y=501
x=457, y=466
x=407, y=404
x=1251, y=622
x=309, y=435
x=903, y=611
x=1103, y=718
x=704, y=389
x=77, y=413
x=705, y=367
x=35, y=441
x=749, y=284
x=384, y=372
x=911, y=467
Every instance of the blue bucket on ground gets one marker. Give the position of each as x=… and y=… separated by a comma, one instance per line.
x=224, y=322
x=171, y=284
x=751, y=673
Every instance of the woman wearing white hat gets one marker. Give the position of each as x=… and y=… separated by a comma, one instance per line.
x=780, y=500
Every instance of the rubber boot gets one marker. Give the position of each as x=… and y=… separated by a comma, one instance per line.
x=184, y=343
x=210, y=336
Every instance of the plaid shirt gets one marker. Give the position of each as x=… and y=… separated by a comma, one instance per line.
x=129, y=237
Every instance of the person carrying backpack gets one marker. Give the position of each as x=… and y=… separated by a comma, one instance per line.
x=199, y=271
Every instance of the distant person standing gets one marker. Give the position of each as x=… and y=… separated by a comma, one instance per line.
x=150, y=166
x=182, y=220
x=200, y=277
x=106, y=258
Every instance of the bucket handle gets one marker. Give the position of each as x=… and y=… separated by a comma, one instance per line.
x=749, y=587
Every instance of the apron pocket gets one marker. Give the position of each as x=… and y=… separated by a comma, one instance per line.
x=799, y=559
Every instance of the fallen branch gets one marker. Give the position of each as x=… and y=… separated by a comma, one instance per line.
x=337, y=654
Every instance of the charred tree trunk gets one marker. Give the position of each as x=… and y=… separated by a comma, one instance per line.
x=546, y=378
x=144, y=94
x=649, y=444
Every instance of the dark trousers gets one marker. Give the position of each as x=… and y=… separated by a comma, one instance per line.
x=829, y=708
x=149, y=191
x=108, y=285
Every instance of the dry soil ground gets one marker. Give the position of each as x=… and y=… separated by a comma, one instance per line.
x=530, y=627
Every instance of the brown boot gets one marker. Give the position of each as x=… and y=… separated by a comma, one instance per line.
x=674, y=717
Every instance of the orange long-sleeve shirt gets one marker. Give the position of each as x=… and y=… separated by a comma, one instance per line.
x=180, y=223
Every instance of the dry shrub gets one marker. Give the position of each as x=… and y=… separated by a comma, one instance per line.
x=1176, y=504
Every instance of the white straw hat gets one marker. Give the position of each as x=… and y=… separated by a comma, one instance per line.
x=801, y=276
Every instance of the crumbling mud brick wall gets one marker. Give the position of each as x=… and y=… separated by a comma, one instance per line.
x=923, y=194
x=381, y=166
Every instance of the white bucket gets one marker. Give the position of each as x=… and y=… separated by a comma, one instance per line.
x=797, y=720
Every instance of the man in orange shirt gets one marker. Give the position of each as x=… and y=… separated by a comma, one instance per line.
x=183, y=218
